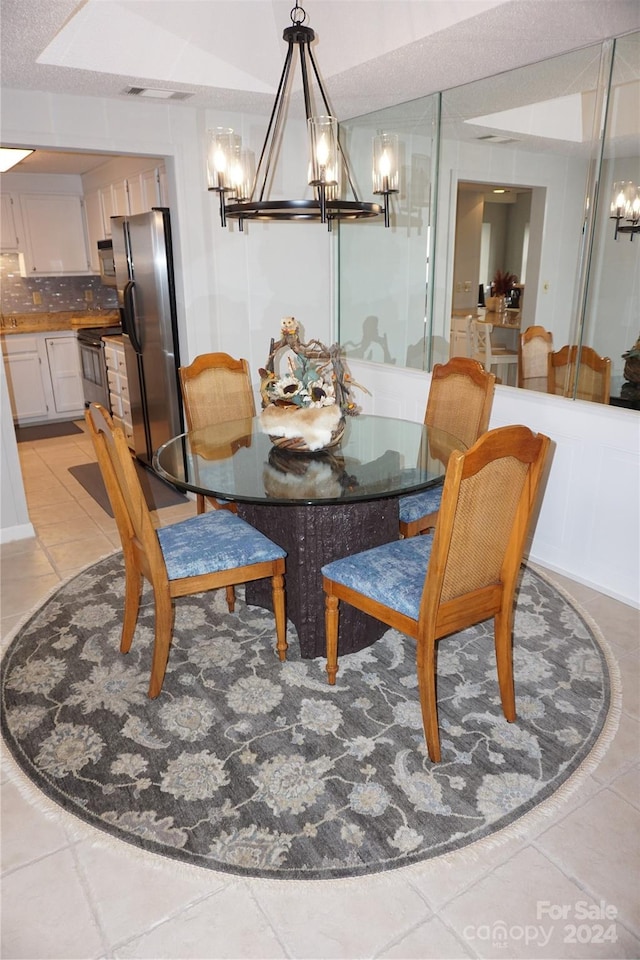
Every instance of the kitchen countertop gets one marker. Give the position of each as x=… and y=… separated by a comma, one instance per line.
x=11, y=323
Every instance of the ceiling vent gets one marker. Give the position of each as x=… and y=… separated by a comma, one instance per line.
x=155, y=94
x=494, y=138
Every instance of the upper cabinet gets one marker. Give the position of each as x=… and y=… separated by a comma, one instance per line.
x=10, y=224
x=54, y=222
x=136, y=192
x=43, y=221
x=55, y=241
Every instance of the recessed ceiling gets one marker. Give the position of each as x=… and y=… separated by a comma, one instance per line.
x=227, y=55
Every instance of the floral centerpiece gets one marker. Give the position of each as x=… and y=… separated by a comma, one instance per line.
x=304, y=408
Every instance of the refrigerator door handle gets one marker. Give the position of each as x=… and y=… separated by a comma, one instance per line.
x=129, y=316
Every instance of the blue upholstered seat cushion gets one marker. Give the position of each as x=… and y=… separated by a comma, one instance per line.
x=392, y=574
x=214, y=541
x=416, y=505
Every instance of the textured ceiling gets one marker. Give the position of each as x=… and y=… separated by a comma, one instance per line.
x=228, y=54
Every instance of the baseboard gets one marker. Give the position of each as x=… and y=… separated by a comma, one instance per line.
x=22, y=532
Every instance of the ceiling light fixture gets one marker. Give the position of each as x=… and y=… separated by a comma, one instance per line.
x=625, y=205
x=10, y=156
x=246, y=197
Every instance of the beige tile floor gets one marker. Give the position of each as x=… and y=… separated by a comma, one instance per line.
x=65, y=893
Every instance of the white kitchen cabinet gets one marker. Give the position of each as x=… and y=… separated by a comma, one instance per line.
x=43, y=376
x=95, y=226
x=66, y=376
x=23, y=367
x=118, y=386
x=135, y=192
x=55, y=235
x=144, y=191
x=10, y=224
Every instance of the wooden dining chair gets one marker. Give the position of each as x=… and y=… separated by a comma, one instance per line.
x=209, y=551
x=459, y=403
x=593, y=374
x=216, y=388
x=535, y=344
x=429, y=587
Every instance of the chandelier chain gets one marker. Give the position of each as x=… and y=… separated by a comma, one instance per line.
x=298, y=15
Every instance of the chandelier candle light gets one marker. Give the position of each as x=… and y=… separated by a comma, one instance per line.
x=245, y=196
x=625, y=205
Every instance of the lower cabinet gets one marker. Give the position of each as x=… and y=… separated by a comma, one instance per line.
x=66, y=378
x=43, y=376
x=118, y=386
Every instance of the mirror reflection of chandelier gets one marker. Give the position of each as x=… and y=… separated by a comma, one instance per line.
x=245, y=195
x=625, y=208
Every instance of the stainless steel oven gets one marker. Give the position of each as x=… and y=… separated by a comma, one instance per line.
x=95, y=385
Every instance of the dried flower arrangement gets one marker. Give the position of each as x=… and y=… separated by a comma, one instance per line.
x=303, y=410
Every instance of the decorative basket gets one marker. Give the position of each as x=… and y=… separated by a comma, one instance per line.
x=632, y=370
x=304, y=408
x=300, y=430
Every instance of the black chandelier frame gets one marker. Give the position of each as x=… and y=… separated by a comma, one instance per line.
x=325, y=208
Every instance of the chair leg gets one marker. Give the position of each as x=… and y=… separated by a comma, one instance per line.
x=231, y=598
x=417, y=527
x=201, y=506
x=504, y=658
x=277, y=584
x=426, y=667
x=132, y=591
x=331, y=616
x=162, y=642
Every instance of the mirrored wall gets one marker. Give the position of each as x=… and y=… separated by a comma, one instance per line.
x=509, y=177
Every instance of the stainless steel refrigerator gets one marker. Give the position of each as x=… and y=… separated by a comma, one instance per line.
x=144, y=279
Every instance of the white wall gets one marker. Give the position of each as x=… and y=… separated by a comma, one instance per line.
x=612, y=323
x=561, y=184
x=589, y=523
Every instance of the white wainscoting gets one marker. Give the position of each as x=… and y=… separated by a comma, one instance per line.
x=588, y=527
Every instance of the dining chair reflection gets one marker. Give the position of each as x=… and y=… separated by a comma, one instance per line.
x=535, y=344
x=216, y=388
x=593, y=380
x=459, y=405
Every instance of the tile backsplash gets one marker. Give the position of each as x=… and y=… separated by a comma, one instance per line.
x=55, y=293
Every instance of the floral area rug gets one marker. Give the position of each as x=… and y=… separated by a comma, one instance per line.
x=259, y=768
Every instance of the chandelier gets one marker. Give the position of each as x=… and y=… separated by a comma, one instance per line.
x=625, y=206
x=245, y=196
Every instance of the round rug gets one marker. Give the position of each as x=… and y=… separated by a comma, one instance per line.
x=259, y=768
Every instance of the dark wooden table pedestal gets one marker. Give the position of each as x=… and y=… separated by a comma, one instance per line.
x=314, y=535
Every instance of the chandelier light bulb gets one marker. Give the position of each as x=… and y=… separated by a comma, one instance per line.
x=384, y=164
x=323, y=151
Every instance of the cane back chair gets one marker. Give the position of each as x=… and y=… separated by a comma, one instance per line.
x=212, y=550
x=429, y=587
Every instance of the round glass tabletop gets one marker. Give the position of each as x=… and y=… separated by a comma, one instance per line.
x=377, y=457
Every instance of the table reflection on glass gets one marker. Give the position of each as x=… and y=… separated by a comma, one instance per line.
x=318, y=507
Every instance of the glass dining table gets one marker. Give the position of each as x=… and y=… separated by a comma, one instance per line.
x=318, y=507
